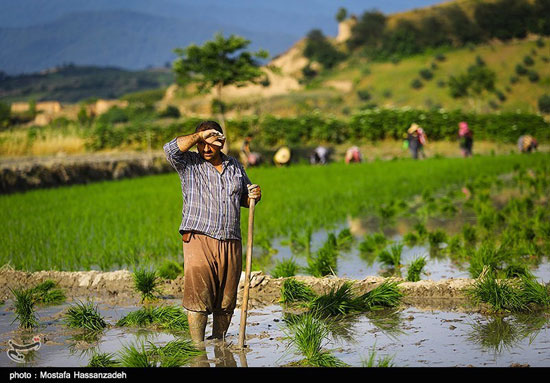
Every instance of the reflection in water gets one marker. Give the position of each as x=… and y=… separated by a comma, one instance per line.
x=389, y=321
x=501, y=334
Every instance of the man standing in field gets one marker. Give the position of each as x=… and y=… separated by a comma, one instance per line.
x=214, y=187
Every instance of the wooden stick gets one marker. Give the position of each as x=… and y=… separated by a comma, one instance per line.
x=250, y=241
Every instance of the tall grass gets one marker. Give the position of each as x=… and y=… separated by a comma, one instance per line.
x=119, y=235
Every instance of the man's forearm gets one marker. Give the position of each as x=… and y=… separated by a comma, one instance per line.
x=187, y=142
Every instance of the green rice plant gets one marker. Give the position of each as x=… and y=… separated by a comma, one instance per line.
x=308, y=334
x=532, y=292
x=338, y=301
x=285, y=268
x=391, y=258
x=345, y=240
x=385, y=361
x=324, y=263
x=301, y=243
x=387, y=294
x=517, y=270
x=447, y=207
x=295, y=291
x=170, y=269
x=47, y=293
x=24, y=308
x=500, y=295
x=421, y=230
x=103, y=360
x=146, y=283
x=372, y=243
x=410, y=239
x=175, y=353
x=415, y=269
x=487, y=255
x=135, y=355
x=436, y=237
x=454, y=245
x=469, y=233
x=163, y=317
x=85, y=316
x=387, y=212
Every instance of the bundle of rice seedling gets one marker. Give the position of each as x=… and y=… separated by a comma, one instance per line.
x=164, y=317
x=307, y=334
x=85, y=316
x=410, y=239
x=345, y=240
x=135, y=355
x=285, y=268
x=103, y=360
x=385, y=361
x=415, y=269
x=338, y=301
x=487, y=255
x=170, y=270
x=295, y=291
x=146, y=283
x=175, y=353
x=386, y=294
x=372, y=243
x=24, y=308
x=392, y=257
x=324, y=263
x=436, y=237
x=48, y=293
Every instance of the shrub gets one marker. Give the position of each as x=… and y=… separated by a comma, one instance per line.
x=416, y=84
x=170, y=112
x=426, y=74
x=521, y=70
x=528, y=60
x=544, y=103
x=364, y=95
x=533, y=76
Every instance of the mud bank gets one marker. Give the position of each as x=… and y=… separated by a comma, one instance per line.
x=25, y=174
x=117, y=287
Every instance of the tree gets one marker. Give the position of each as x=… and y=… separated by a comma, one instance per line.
x=341, y=14
x=368, y=31
x=5, y=114
x=478, y=79
x=319, y=49
x=217, y=64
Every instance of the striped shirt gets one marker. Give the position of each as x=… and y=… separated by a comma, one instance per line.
x=211, y=200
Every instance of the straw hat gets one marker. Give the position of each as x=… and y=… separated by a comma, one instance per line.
x=282, y=156
x=414, y=127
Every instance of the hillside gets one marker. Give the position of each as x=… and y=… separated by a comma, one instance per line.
x=71, y=84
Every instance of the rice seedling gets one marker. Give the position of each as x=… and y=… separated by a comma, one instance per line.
x=532, y=292
x=264, y=243
x=487, y=256
x=447, y=207
x=163, y=317
x=170, y=270
x=324, y=263
x=301, y=243
x=384, y=361
x=436, y=237
x=135, y=355
x=295, y=291
x=372, y=243
x=391, y=257
x=308, y=334
x=500, y=295
x=415, y=269
x=421, y=230
x=102, y=360
x=47, y=293
x=345, y=240
x=146, y=283
x=85, y=316
x=517, y=270
x=338, y=301
x=454, y=245
x=175, y=353
x=386, y=294
x=285, y=268
x=387, y=212
x=410, y=239
x=24, y=308
x=469, y=233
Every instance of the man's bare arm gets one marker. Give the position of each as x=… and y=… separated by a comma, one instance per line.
x=187, y=142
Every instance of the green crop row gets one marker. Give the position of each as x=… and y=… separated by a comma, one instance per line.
x=132, y=222
x=368, y=125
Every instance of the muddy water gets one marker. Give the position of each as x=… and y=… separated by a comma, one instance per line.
x=412, y=336
x=354, y=265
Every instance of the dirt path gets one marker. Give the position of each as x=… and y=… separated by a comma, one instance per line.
x=116, y=287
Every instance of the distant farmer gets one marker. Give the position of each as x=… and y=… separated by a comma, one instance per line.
x=527, y=143
x=319, y=156
x=282, y=156
x=214, y=187
x=417, y=139
x=466, y=138
x=248, y=157
x=353, y=154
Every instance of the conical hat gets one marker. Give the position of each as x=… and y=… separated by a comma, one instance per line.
x=282, y=156
x=414, y=127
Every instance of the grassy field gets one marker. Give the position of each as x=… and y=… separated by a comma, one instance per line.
x=133, y=222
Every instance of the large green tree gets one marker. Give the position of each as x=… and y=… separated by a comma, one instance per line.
x=218, y=63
